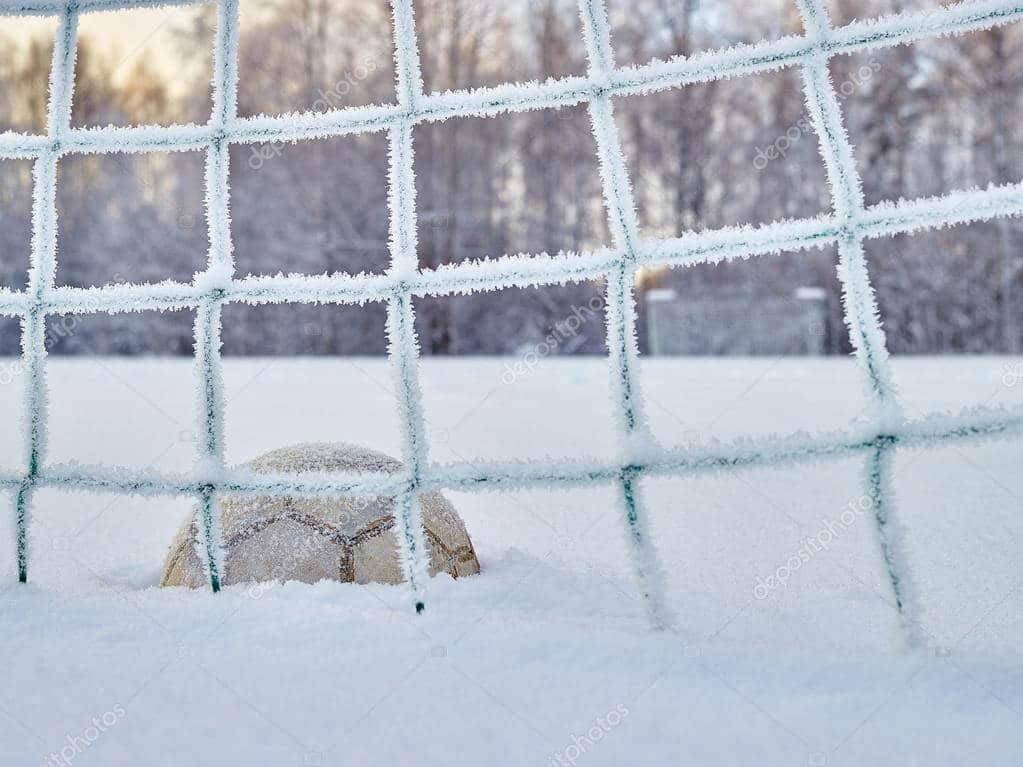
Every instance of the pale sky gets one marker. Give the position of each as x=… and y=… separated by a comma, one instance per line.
x=126, y=34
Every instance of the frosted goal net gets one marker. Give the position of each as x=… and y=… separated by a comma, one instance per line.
x=847, y=226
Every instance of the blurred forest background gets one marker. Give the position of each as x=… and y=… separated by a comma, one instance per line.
x=925, y=119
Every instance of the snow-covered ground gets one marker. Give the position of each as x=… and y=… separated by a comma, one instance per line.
x=545, y=658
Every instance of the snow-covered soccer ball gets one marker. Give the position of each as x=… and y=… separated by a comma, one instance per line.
x=312, y=539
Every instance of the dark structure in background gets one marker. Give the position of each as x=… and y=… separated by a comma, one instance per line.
x=925, y=119
x=737, y=324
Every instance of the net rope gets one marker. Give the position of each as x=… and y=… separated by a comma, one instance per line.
x=847, y=226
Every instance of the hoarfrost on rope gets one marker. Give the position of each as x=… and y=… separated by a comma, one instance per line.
x=847, y=226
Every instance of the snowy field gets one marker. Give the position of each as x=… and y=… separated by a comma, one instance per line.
x=545, y=658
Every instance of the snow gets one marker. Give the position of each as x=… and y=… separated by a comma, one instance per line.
x=848, y=618
x=809, y=293
x=660, y=294
x=508, y=667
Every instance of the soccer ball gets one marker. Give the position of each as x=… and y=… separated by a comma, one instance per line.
x=347, y=539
